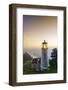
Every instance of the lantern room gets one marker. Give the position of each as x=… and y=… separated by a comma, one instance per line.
x=44, y=45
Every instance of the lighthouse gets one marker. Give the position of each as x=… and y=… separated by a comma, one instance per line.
x=44, y=60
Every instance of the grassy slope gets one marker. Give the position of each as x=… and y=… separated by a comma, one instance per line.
x=27, y=69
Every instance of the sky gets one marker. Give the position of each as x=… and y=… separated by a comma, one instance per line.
x=36, y=29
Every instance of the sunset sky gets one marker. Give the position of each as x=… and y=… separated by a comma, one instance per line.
x=39, y=28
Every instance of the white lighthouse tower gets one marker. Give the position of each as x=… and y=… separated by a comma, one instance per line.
x=44, y=60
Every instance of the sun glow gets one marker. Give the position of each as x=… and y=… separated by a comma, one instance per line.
x=37, y=29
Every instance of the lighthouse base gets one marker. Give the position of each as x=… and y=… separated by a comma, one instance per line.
x=43, y=68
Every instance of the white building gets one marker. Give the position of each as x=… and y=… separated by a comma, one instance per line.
x=36, y=64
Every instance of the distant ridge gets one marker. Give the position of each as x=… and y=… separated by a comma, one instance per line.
x=26, y=57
